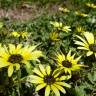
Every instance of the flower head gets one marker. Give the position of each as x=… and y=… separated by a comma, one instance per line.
x=19, y=34
x=87, y=43
x=78, y=13
x=54, y=36
x=68, y=63
x=91, y=5
x=56, y=24
x=65, y=10
x=15, y=34
x=45, y=77
x=14, y=56
x=61, y=27
x=66, y=29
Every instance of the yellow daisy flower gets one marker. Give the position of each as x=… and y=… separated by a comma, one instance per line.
x=91, y=5
x=66, y=29
x=15, y=34
x=80, y=29
x=68, y=63
x=54, y=36
x=51, y=80
x=65, y=10
x=88, y=43
x=24, y=34
x=14, y=56
x=56, y=24
x=78, y=13
x=19, y=34
x=60, y=26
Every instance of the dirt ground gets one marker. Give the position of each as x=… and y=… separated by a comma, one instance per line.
x=26, y=12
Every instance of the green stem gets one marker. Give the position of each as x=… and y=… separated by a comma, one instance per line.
x=19, y=82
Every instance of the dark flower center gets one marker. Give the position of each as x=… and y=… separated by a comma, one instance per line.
x=49, y=79
x=92, y=47
x=15, y=58
x=67, y=64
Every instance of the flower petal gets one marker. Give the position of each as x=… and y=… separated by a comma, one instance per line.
x=60, y=88
x=42, y=69
x=47, y=90
x=40, y=86
x=55, y=90
x=10, y=70
x=89, y=53
x=89, y=37
x=48, y=70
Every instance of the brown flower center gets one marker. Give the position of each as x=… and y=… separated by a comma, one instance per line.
x=67, y=64
x=49, y=79
x=15, y=58
x=92, y=47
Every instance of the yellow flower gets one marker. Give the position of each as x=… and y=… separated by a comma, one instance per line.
x=23, y=34
x=91, y=5
x=81, y=14
x=66, y=29
x=65, y=10
x=15, y=34
x=87, y=43
x=56, y=24
x=68, y=63
x=80, y=30
x=14, y=56
x=54, y=36
x=60, y=26
x=19, y=34
x=51, y=80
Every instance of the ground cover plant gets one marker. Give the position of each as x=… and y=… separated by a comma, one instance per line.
x=51, y=55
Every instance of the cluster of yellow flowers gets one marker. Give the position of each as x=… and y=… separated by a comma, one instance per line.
x=14, y=57
x=19, y=34
x=60, y=26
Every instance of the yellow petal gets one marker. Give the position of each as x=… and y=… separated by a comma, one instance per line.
x=17, y=66
x=11, y=48
x=80, y=43
x=40, y=86
x=83, y=40
x=3, y=64
x=10, y=70
x=63, y=84
x=83, y=48
x=48, y=70
x=60, y=88
x=36, y=71
x=89, y=53
x=47, y=90
x=55, y=90
x=89, y=37
x=42, y=69
x=69, y=55
x=36, y=54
